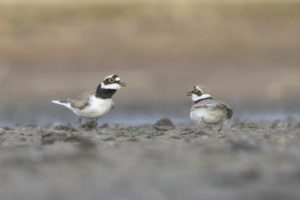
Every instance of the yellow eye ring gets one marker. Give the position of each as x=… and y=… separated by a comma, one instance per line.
x=195, y=90
x=111, y=80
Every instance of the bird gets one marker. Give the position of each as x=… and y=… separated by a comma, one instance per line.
x=93, y=105
x=207, y=110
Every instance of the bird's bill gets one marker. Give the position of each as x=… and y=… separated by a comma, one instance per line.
x=122, y=84
x=189, y=93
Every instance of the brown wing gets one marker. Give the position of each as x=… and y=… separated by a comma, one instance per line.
x=201, y=104
x=81, y=101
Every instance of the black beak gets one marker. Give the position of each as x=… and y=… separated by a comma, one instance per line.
x=122, y=84
x=189, y=93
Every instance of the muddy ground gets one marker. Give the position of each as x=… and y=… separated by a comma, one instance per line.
x=155, y=162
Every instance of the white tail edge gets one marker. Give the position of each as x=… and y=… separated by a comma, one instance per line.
x=67, y=104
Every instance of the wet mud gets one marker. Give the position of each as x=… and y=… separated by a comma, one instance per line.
x=155, y=161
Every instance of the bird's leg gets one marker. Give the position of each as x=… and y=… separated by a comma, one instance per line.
x=94, y=124
x=221, y=135
x=80, y=123
x=198, y=124
x=221, y=127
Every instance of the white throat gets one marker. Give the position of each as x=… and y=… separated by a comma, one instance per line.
x=114, y=86
x=196, y=97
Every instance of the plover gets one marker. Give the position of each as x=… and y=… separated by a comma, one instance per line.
x=93, y=105
x=207, y=110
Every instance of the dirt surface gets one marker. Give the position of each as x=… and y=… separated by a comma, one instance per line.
x=159, y=161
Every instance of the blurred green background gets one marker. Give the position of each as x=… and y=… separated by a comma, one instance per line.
x=245, y=52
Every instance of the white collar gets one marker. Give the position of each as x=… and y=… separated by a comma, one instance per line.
x=196, y=97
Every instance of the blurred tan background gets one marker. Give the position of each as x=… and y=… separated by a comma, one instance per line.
x=247, y=53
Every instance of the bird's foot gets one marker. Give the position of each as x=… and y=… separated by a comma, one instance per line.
x=221, y=134
x=94, y=125
x=88, y=125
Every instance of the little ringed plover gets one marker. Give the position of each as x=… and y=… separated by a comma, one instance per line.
x=93, y=105
x=207, y=110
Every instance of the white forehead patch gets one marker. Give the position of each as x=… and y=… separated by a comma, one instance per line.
x=199, y=88
x=109, y=76
x=118, y=79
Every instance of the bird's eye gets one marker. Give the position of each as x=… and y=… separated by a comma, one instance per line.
x=195, y=90
x=111, y=80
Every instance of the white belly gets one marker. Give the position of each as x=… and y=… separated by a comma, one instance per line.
x=208, y=116
x=96, y=108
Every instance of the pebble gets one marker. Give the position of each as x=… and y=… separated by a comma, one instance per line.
x=2, y=131
x=133, y=139
x=109, y=139
x=186, y=131
x=280, y=125
x=64, y=128
x=164, y=124
x=52, y=137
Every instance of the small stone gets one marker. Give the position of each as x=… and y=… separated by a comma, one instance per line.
x=149, y=136
x=133, y=139
x=52, y=137
x=6, y=128
x=201, y=133
x=2, y=131
x=252, y=126
x=122, y=134
x=108, y=139
x=176, y=137
x=280, y=125
x=186, y=131
x=90, y=125
x=64, y=128
x=164, y=124
x=243, y=125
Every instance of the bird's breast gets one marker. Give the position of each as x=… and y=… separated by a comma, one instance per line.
x=97, y=107
x=208, y=116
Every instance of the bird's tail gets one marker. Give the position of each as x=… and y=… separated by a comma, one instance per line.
x=63, y=103
x=229, y=113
